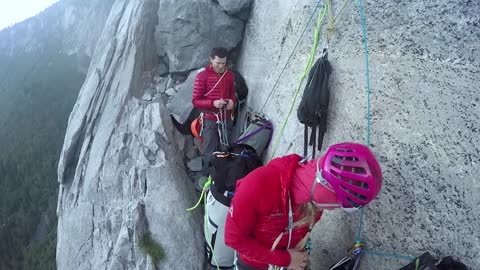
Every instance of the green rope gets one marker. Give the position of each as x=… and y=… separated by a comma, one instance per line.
x=321, y=17
x=330, y=27
x=206, y=186
x=332, y=19
x=290, y=56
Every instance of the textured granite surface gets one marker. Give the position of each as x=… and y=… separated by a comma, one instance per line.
x=120, y=169
x=424, y=73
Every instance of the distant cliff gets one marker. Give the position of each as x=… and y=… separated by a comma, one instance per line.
x=43, y=62
x=68, y=26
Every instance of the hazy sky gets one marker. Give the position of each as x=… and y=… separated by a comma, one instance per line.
x=13, y=11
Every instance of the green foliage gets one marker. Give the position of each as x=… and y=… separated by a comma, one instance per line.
x=37, y=94
x=151, y=248
x=40, y=255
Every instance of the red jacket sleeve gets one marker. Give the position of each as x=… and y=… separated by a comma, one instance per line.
x=242, y=219
x=199, y=100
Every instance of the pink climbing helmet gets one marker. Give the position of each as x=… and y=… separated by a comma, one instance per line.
x=353, y=172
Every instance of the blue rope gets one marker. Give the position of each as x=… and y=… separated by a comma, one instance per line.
x=391, y=255
x=291, y=54
x=360, y=226
x=364, y=30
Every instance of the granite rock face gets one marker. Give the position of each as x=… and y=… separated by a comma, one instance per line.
x=238, y=8
x=121, y=169
x=121, y=172
x=189, y=29
x=425, y=117
x=180, y=107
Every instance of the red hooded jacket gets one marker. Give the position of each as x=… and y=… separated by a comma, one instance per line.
x=259, y=213
x=204, y=92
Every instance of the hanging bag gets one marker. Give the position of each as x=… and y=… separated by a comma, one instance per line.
x=313, y=109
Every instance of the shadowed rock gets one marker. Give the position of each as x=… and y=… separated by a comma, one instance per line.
x=189, y=29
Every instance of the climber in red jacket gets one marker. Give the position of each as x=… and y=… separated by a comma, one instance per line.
x=214, y=95
x=275, y=206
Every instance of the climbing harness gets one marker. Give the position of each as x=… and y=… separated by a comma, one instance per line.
x=222, y=128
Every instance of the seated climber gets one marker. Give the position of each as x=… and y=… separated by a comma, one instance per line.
x=276, y=206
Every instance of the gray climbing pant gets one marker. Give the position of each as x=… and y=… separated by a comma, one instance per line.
x=211, y=141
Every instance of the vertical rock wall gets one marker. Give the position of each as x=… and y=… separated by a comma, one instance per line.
x=425, y=109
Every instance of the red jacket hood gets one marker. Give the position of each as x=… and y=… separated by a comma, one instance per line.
x=302, y=182
x=286, y=167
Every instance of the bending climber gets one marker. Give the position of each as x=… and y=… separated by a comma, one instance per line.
x=214, y=95
x=276, y=206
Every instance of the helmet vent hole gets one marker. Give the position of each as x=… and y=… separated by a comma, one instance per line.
x=353, y=193
x=344, y=150
x=356, y=183
x=352, y=182
x=358, y=170
x=338, y=159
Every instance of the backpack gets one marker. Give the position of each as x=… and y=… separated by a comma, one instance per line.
x=226, y=168
x=241, y=88
x=313, y=108
x=448, y=263
x=424, y=262
x=241, y=93
x=427, y=262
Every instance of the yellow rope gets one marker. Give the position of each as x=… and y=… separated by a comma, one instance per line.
x=206, y=186
x=329, y=31
x=331, y=19
x=313, y=50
